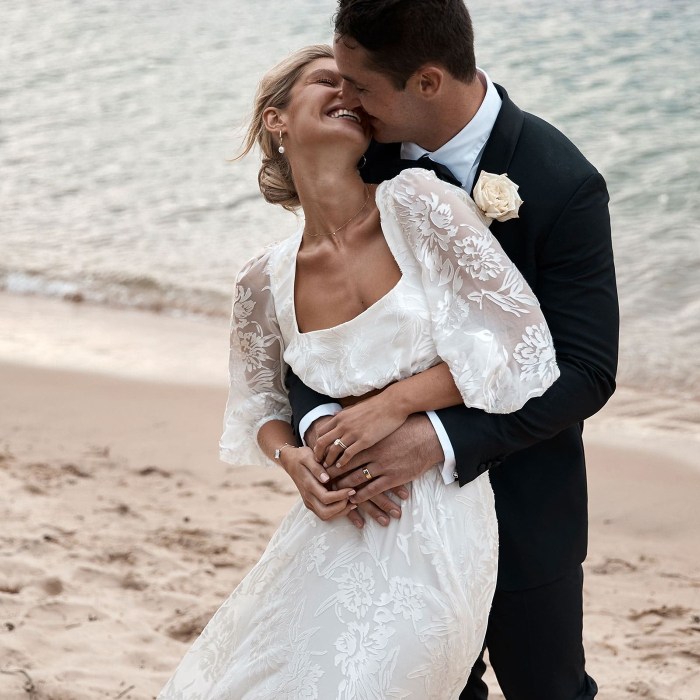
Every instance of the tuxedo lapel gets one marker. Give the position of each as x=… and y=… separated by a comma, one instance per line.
x=503, y=139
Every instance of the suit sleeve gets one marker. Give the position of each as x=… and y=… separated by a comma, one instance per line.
x=302, y=399
x=577, y=292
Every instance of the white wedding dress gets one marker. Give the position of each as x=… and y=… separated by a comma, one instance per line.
x=329, y=611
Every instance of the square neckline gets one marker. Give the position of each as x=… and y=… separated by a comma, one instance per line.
x=362, y=313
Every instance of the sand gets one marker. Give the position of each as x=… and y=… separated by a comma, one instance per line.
x=122, y=532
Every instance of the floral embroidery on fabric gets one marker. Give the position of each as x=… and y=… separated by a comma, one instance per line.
x=469, y=282
x=243, y=305
x=477, y=256
x=335, y=613
x=536, y=354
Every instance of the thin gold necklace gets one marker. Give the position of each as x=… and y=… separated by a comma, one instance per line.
x=355, y=215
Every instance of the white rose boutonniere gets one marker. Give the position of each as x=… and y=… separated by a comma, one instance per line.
x=497, y=196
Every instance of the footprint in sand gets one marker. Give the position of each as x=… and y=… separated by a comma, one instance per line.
x=19, y=574
x=52, y=585
x=154, y=471
x=640, y=689
x=665, y=611
x=74, y=470
x=614, y=566
x=282, y=489
x=186, y=627
x=11, y=587
x=197, y=540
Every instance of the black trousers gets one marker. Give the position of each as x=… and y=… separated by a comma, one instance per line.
x=535, y=644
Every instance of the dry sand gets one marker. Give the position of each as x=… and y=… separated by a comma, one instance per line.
x=122, y=533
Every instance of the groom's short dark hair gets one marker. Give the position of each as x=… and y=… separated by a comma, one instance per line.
x=400, y=36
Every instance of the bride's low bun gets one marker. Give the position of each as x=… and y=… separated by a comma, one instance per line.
x=275, y=177
x=276, y=182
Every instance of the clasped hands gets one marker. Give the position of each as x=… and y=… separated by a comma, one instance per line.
x=384, y=451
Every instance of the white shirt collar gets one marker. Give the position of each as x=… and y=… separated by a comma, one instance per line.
x=462, y=153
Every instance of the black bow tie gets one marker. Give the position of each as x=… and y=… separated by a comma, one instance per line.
x=425, y=162
x=385, y=167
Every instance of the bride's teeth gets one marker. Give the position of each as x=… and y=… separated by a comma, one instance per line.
x=345, y=113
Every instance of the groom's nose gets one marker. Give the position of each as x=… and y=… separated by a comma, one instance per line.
x=350, y=95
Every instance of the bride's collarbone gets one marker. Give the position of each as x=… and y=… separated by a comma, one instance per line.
x=333, y=293
x=357, y=279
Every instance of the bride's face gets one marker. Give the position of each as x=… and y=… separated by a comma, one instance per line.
x=319, y=113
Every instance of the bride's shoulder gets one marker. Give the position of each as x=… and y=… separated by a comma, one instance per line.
x=418, y=198
x=414, y=183
x=422, y=189
x=262, y=264
x=412, y=178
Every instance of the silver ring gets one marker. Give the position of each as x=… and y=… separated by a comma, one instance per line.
x=339, y=443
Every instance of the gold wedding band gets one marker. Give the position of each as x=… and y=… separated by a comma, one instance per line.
x=368, y=476
x=339, y=443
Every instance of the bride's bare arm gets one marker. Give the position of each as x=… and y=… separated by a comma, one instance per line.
x=308, y=475
x=371, y=420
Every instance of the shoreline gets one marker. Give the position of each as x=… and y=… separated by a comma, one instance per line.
x=131, y=343
x=193, y=350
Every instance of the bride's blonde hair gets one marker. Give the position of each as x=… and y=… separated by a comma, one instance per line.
x=275, y=176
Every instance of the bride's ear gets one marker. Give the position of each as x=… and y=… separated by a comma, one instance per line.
x=272, y=119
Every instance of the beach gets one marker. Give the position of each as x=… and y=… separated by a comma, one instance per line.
x=123, y=532
x=123, y=222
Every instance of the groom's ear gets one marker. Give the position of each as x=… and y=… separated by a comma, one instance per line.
x=272, y=119
x=429, y=81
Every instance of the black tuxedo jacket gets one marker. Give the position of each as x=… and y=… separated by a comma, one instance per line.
x=561, y=244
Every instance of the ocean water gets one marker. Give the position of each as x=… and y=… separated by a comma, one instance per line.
x=119, y=120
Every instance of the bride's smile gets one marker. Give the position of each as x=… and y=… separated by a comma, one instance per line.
x=320, y=114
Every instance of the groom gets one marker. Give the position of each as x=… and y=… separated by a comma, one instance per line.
x=410, y=64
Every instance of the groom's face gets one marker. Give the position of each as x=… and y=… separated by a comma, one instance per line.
x=393, y=113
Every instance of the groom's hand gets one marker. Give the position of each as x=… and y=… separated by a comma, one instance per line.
x=379, y=505
x=392, y=463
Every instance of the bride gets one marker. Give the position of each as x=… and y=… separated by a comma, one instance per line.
x=396, y=300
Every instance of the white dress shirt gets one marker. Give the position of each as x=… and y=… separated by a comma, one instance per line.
x=462, y=155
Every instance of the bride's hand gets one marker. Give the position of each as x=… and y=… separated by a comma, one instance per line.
x=307, y=475
x=358, y=427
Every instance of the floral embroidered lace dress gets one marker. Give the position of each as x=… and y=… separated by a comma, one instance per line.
x=329, y=611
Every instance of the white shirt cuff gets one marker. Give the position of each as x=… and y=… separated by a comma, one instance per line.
x=325, y=409
x=449, y=466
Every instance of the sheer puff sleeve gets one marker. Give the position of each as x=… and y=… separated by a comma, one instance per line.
x=256, y=367
x=486, y=323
